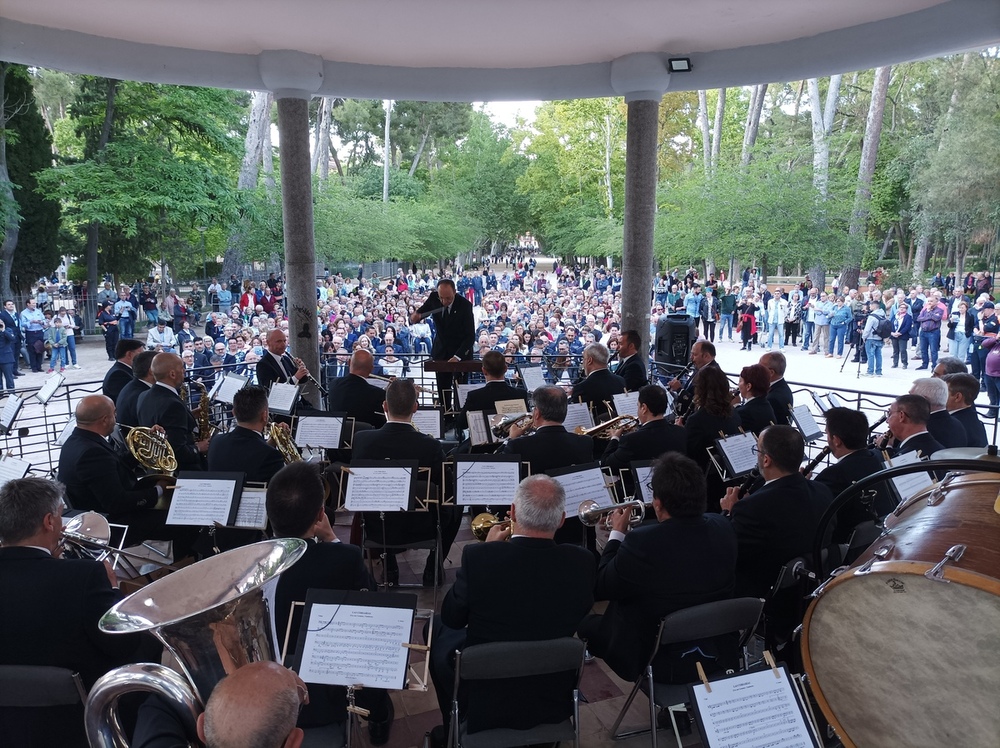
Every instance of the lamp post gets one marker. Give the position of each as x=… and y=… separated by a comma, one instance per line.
x=204, y=264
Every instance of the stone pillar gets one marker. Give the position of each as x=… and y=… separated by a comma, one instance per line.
x=294, y=77
x=642, y=79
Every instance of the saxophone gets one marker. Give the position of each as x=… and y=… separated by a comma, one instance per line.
x=203, y=413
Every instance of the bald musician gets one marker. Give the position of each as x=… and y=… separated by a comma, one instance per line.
x=352, y=394
x=162, y=405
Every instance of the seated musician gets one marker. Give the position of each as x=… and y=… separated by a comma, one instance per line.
x=847, y=437
x=496, y=389
x=98, y=479
x=399, y=440
x=120, y=373
x=552, y=447
x=907, y=422
x=545, y=590
x=686, y=559
x=163, y=406
x=599, y=385
x=702, y=356
x=52, y=605
x=779, y=395
x=654, y=437
x=128, y=399
x=962, y=392
x=755, y=413
x=354, y=396
x=631, y=365
x=943, y=426
x=777, y=522
x=713, y=415
x=295, y=497
x=245, y=449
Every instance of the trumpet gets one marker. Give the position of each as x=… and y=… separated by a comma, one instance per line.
x=501, y=429
x=88, y=535
x=590, y=512
x=626, y=423
x=483, y=523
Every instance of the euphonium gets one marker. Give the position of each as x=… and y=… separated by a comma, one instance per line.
x=212, y=617
x=502, y=428
x=590, y=512
x=483, y=523
x=626, y=423
x=281, y=439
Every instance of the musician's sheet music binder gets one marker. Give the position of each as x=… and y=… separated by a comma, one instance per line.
x=227, y=386
x=642, y=472
x=428, y=420
x=578, y=415
x=11, y=468
x=486, y=479
x=464, y=390
x=355, y=638
x=803, y=419
x=737, y=454
x=532, y=375
x=49, y=388
x=205, y=499
x=282, y=397
x=66, y=432
x=324, y=432
x=626, y=403
x=906, y=486
x=480, y=428
x=582, y=482
x=381, y=485
x=11, y=409
x=752, y=709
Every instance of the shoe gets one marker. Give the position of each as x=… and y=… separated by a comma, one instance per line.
x=895, y=366
x=61, y=371
x=50, y=371
x=829, y=355
x=75, y=366
x=867, y=374
x=813, y=353
x=922, y=366
x=378, y=731
x=904, y=366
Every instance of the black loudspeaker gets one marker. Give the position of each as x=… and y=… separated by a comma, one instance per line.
x=675, y=334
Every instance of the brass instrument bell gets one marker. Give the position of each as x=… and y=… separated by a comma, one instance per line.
x=590, y=512
x=626, y=423
x=483, y=523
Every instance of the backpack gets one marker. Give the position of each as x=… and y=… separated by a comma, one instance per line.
x=883, y=328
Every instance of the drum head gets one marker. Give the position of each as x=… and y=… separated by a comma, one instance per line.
x=899, y=659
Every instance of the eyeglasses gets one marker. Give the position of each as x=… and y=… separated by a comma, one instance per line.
x=890, y=412
x=755, y=450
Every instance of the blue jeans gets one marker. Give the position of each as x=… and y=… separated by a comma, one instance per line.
x=807, y=334
x=127, y=326
x=71, y=344
x=838, y=333
x=777, y=328
x=930, y=341
x=726, y=323
x=960, y=346
x=8, y=375
x=873, y=347
x=58, y=357
x=152, y=315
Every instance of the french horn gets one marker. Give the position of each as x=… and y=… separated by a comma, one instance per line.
x=280, y=438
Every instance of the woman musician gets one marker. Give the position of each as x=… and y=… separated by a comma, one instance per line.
x=714, y=416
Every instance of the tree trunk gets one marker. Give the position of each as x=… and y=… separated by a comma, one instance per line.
x=607, y=166
x=720, y=113
x=420, y=151
x=753, y=122
x=314, y=156
x=706, y=141
x=387, y=153
x=11, y=215
x=920, y=258
x=822, y=123
x=93, y=229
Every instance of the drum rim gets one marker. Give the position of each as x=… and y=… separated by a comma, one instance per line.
x=954, y=574
x=961, y=481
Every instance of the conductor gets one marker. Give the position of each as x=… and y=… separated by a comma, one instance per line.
x=455, y=331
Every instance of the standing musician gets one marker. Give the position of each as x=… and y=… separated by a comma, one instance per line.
x=907, y=421
x=779, y=395
x=163, y=406
x=495, y=391
x=127, y=404
x=353, y=395
x=962, y=392
x=244, y=449
x=276, y=365
x=599, y=385
x=120, y=373
x=755, y=413
x=631, y=366
x=847, y=438
x=454, y=331
x=654, y=437
x=702, y=355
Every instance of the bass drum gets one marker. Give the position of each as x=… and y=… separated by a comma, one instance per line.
x=898, y=657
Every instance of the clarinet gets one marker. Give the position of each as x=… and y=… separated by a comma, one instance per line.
x=811, y=465
x=872, y=439
x=752, y=477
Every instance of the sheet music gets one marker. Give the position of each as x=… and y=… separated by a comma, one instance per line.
x=643, y=473
x=252, y=512
x=752, y=710
x=909, y=485
x=803, y=418
x=428, y=421
x=834, y=400
x=583, y=484
x=578, y=414
x=738, y=452
x=378, y=382
x=229, y=386
x=12, y=468
x=10, y=410
x=626, y=403
x=465, y=389
x=319, y=431
x=479, y=430
x=820, y=403
x=49, y=387
x=511, y=407
x=201, y=502
x=533, y=376
x=486, y=480
x=351, y=644
x=282, y=397
x=66, y=432
x=378, y=489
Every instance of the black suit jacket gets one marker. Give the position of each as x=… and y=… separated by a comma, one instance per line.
x=97, y=479
x=756, y=415
x=551, y=448
x=647, y=442
x=115, y=380
x=14, y=327
x=926, y=443
x=781, y=400
x=596, y=388
x=128, y=402
x=244, y=451
x=268, y=371
x=975, y=431
x=656, y=570
x=527, y=589
x=51, y=610
x=703, y=429
x=164, y=406
x=947, y=430
x=454, y=331
x=633, y=372
x=358, y=399
x=486, y=398
x=774, y=525
x=839, y=477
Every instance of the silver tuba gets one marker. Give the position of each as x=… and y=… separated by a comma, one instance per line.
x=212, y=617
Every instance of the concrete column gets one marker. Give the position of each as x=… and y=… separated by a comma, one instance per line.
x=642, y=79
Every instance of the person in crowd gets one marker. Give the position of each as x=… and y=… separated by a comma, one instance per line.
x=902, y=321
